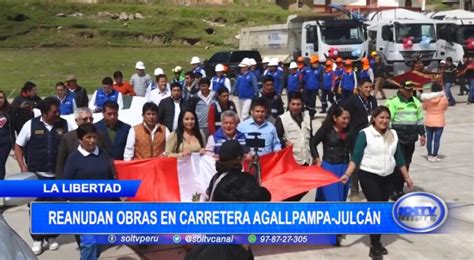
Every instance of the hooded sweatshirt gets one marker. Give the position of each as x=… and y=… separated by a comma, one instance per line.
x=435, y=104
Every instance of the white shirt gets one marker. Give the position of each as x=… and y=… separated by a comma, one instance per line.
x=177, y=111
x=92, y=105
x=86, y=153
x=130, y=146
x=157, y=95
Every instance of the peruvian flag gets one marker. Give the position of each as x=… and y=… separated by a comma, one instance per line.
x=169, y=179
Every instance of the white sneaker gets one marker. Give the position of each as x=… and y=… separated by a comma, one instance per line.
x=431, y=158
x=53, y=244
x=37, y=247
x=437, y=159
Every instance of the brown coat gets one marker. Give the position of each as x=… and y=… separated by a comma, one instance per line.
x=144, y=148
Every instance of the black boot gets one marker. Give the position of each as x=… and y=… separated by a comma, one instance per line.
x=376, y=252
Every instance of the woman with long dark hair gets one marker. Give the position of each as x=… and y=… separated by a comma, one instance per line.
x=187, y=138
x=334, y=134
x=376, y=154
x=5, y=132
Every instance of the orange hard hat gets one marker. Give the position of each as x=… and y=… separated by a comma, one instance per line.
x=314, y=59
x=348, y=62
x=339, y=60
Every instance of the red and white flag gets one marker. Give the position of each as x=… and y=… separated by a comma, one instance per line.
x=169, y=179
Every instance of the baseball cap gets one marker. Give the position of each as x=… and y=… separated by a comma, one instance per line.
x=230, y=150
x=408, y=84
x=140, y=65
x=158, y=71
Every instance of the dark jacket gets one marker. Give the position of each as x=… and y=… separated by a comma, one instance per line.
x=336, y=147
x=69, y=144
x=166, y=111
x=21, y=115
x=117, y=146
x=80, y=96
x=274, y=105
x=379, y=70
x=359, y=111
x=450, y=74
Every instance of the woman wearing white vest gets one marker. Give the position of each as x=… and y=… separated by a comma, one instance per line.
x=377, y=153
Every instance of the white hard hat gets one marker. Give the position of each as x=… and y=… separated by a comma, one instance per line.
x=252, y=62
x=273, y=62
x=140, y=65
x=195, y=60
x=442, y=62
x=244, y=63
x=158, y=71
x=293, y=65
x=219, y=68
x=177, y=69
x=266, y=60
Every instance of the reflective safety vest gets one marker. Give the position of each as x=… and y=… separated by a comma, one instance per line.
x=218, y=111
x=406, y=117
x=217, y=83
x=66, y=106
x=220, y=138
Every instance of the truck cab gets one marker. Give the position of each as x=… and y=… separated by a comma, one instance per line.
x=388, y=32
x=319, y=36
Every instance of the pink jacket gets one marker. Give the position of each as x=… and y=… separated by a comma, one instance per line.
x=435, y=108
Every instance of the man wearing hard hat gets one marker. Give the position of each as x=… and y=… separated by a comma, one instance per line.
x=196, y=63
x=178, y=75
x=312, y=78
x=293, y=81
x=246, y=87
x=220, y=80
x=276, y=74
x=140, y=80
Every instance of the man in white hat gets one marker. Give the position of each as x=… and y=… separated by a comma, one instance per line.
x=276, y=74
x=265, y=62
x=293, y=82
x=254, y=69
x=196, y=63
x=160, y=89
x=140, y=80
x=220, y=79
x=246, y=87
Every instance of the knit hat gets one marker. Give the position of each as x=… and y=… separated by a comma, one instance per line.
x=230, y=150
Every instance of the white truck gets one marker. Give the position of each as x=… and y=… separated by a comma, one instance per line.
x=306, y=36
x=397, y=35
x=454, y=29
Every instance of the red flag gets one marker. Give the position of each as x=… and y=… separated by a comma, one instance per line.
x=159, y=178
x=284, y=178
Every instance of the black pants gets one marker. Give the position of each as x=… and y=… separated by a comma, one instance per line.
x=407, y=151
x=43, y=236
x=309, y=96
x=375, y=188
x=462, y=86
x=5, y=148
x=326, y=96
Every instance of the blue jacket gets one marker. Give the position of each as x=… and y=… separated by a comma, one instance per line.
x=278, y=80
x=364, y=74
x=200, y=70
x=328, y=79
x=220, y=138
x=217, y=83
x=66, y=106
x=117, y=146
x=102, y=97
x=246, y=86
x=293, y=82
x=348, y=81
x=338, y=71
x=312, y=78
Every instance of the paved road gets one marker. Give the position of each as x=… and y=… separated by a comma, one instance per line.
x=451, y=179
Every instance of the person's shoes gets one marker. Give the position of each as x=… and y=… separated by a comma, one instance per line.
x=431, y=158
x=355, y=196
x=394, y=196
x=53, y=244
x=437, y=159
x=377, y=252
x=37, y=247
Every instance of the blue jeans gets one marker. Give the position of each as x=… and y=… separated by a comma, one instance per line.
x=470, y=98
x=433, y=135
x=89, y=248
x=449, y=95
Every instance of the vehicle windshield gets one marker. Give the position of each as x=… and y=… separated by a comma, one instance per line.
x=465, y=33
x=417, y=31
x=339, y=35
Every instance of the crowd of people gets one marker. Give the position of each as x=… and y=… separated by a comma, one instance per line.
x=192, y=113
